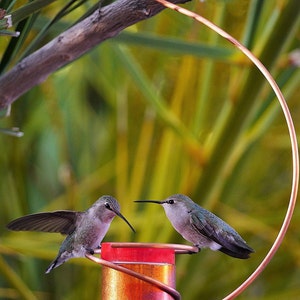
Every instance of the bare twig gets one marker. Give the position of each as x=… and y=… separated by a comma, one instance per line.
x=73, y=43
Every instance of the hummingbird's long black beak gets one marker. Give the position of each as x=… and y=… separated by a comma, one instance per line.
x=151, y=201
x=122, y=217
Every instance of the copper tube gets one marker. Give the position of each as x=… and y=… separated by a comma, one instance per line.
x=147, y=261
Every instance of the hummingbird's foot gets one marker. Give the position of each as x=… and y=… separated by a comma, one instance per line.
x=97, y=250
x=94, y=251
x=90, y=251
x=196, y=247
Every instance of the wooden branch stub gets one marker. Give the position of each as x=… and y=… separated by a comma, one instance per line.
x=73, y=43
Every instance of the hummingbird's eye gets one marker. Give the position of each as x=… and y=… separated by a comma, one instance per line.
x=171, y=201
x=107, y=205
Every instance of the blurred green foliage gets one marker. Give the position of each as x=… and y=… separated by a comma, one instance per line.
x=165, y=107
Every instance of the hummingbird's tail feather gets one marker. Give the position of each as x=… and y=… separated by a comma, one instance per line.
x=232, y=244
x=239, y=252
x=52, y=266
x=56, y=263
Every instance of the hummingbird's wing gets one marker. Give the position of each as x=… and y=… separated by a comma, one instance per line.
x=203, y=227
x=63, y=221
x=221, y=233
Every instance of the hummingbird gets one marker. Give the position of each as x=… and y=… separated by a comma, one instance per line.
x=85, y=230
x=203, y=228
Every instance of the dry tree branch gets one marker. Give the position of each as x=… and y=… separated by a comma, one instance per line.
x=73, y=43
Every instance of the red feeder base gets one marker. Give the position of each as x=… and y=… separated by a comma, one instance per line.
x=157, y=263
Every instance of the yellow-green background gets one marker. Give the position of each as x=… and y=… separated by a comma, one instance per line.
x=166, y=107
